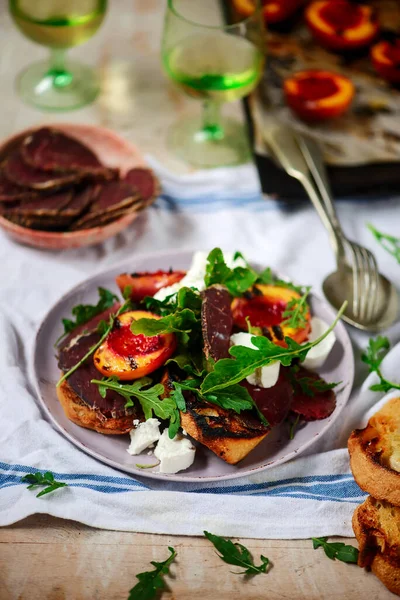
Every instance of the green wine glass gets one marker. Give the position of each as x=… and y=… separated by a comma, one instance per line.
x=58, y=84
x=216, y=63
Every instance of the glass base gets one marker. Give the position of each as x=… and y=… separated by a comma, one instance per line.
x=225, y=146
x=52, y=90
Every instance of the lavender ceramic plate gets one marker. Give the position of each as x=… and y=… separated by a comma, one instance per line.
x=275, y=449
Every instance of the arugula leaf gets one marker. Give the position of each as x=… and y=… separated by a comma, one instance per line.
x=227, y=371
x=237, y=280
x=139, y=466
x=184, y=318
x=293, y=426
x=336, y=550
x=238, y=555
x=183, y=321
x=47, y=479
x=373, y=356
x=106, y=330
x=149, y=399
x=150, y=582
x=388, y=242
x=84, y=312
x=296, y=311
x=251, y=329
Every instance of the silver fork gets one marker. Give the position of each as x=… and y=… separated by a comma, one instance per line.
x=364, y=265
x=299, y=158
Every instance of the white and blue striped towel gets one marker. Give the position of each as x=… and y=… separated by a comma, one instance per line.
x=311, y=496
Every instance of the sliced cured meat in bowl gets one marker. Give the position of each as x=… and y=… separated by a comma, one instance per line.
x=101, y=155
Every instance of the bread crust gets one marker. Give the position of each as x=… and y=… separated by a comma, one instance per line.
x=81, y=414
x=379, y=547
x=373, y=452
x=371, y=475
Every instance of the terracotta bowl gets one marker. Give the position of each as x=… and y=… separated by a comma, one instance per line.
x=113, y=151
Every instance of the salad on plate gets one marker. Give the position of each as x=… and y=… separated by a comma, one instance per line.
x=218, y=355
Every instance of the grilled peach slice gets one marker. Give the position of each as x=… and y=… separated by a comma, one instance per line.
x=274, y=11
x=385, y=57
x=342, y=25
x=318, y=95
x=128, y=356
x=147, y=284
x=264, y=307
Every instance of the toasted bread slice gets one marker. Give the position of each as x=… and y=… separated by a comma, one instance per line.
x=375, y=454
x=229, y=435
x=376, y=525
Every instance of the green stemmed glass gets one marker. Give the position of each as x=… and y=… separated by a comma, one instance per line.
x=215, y=63
x=58, y=84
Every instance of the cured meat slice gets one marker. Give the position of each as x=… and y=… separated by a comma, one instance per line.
x=10, y=193
x=113, y=197
x=274, y=402
x=145, y=182
x=89, y=327
x=41, y=223
x=216, y=322
x=46, y=206
x=312, y=408
x=80, y=381
x=52, y=150
x=100, y=220
x=80, y=201
x=24, y=175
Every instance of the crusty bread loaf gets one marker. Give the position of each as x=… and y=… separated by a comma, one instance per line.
x=81, y=414
x=376, y=525
x=375, y=454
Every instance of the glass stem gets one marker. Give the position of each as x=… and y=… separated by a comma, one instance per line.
x=58, y=71
x=212, y=128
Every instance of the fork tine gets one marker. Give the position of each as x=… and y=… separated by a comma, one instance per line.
x=373, y=296
x=356, y=278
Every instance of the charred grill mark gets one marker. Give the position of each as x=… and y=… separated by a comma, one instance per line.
x=117, y=323
x=106, y=368
x=266, y=332
x=256, y=291
x=132, y=362
x=278, y=332
x=248, y=295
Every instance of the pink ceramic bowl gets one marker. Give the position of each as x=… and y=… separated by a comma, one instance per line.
x=113, y=151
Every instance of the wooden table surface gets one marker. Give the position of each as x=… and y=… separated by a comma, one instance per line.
x=47, y=558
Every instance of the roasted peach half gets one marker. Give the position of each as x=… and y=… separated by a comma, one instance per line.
x=264, y=307
x=342, y=25
x=274, y=11
x=318, y=95
x=385, y=57
x=147, y=284
x=128, y=356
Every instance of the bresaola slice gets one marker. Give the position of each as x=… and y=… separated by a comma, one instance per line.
x=216, y=322
x=312, y=408
x=51, y=150
x=10, y=192
x=113, y=197
x=47, y=206
x=24, y=175
x=80, y=381
x=274, y=402
x=144, y=181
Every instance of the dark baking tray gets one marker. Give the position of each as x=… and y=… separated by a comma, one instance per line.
x=372, y=180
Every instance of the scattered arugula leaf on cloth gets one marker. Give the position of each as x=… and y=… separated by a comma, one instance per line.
x=373, y=356
x=336, y=550
x=388, y=242
x=40, y=479
x=149, y=399
x=151, y=582
x=238, y=555
x=84, y=312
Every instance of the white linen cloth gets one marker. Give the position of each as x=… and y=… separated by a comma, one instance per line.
x=313, y=495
